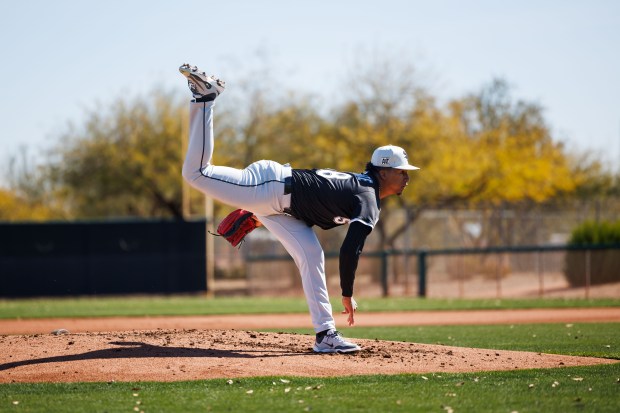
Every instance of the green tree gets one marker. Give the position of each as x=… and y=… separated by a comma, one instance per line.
x=27, y=196
x=124, y=161
x=522, y=164
x=484, y=149
x=14, y=207
x=284, y=132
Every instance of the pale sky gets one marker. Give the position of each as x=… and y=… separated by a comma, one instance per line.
x=60, y=58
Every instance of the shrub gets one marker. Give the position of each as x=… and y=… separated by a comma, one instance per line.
x=604, y=265
x=596, y=233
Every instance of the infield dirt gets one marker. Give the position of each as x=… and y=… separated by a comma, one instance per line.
x=138, y=352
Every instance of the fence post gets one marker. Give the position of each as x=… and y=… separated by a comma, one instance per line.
x=459, y=274
x=540, y=270
x=588, y=273
x=422, y=273
x=384, y=273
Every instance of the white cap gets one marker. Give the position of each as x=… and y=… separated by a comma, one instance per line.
x=391, y=156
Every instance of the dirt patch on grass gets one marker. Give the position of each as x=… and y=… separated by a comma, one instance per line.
x=192, y=348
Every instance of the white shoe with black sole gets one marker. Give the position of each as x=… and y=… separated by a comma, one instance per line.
x=333, y=342
x=201, y=85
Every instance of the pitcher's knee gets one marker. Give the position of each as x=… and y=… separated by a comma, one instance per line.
x=190, y=173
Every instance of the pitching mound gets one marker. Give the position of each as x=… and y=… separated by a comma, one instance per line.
x=173, y=355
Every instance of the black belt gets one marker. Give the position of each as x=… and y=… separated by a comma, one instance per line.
x=288, y=185
x=288, y=188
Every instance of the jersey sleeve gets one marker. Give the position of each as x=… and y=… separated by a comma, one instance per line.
x=350, y=251
x=367, y=211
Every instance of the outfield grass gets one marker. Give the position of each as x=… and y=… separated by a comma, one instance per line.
x=583, y=339
x=592, y=389
x=197, y=305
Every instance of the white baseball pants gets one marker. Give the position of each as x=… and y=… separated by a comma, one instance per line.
x=259, y=188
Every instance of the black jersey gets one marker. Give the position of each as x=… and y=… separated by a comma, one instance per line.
x=328, y=198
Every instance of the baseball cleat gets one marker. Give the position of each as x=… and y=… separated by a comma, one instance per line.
x=202, y=86
x=333, y=342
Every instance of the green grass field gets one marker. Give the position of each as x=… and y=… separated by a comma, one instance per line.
x=593, y=388
x=583, y=339
x=197, y=305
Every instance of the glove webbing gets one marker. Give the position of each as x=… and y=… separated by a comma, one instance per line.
x=234, y=228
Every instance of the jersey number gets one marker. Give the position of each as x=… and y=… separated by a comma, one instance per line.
x=331, y=174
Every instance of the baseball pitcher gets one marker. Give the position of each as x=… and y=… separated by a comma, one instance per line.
x=289, y=202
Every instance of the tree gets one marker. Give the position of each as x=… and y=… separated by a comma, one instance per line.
x=27, y=196
x=481, y=150
x=522, y=164
x=527, y=164
x=285, y=132
x=484, y=149
x=123, y=162
x=14, y=207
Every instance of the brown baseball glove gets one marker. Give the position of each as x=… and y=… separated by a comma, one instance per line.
x=237, y=225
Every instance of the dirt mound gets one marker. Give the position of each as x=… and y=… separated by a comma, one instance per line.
x=173, y=355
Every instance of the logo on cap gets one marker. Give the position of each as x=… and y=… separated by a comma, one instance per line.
x=385, y=161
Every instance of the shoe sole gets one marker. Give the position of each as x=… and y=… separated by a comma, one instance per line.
x=198, y=78
x=335, y=350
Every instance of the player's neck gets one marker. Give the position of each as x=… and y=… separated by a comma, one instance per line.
x=384, y=194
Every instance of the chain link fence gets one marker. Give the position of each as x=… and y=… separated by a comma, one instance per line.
x=526, y=272
x=458, y=262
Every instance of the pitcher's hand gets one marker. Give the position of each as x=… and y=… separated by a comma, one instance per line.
x=349, y=308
